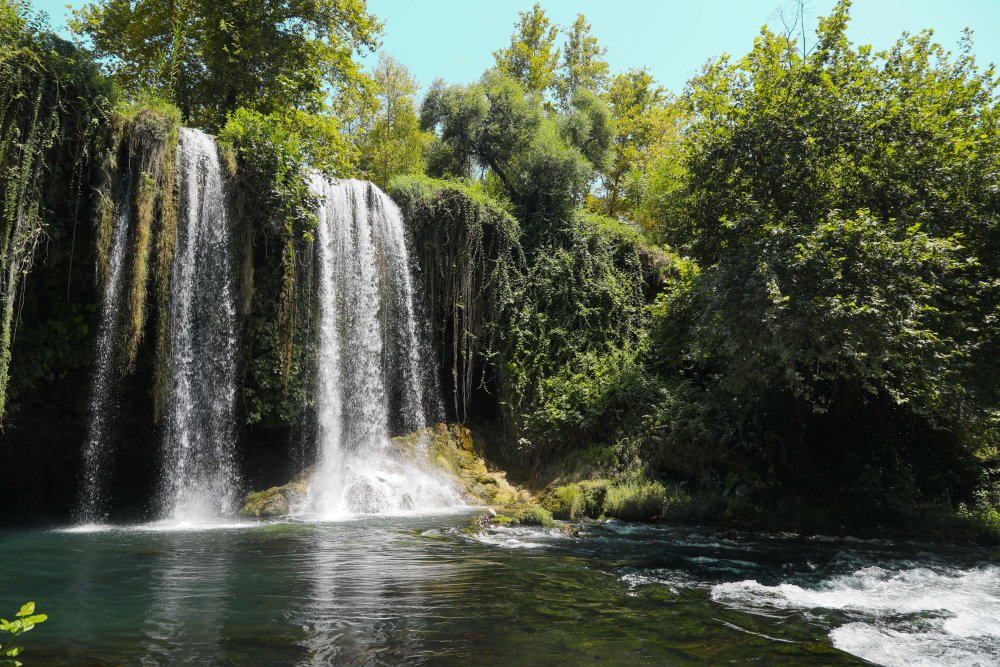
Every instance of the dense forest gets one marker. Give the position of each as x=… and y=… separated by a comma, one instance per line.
x=769, y=298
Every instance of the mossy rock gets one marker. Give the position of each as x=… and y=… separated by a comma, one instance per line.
x=276, y=501
x=453, y=449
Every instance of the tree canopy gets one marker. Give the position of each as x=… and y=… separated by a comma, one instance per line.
x=210, y=58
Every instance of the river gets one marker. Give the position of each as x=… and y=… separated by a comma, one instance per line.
x=391, y=590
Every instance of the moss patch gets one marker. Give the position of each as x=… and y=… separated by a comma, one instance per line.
x=453, y=449
x=276, y=501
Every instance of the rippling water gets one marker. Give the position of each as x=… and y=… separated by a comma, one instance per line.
x=416, y=590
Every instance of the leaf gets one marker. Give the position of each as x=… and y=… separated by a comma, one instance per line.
x=27, y=609
x=13, y=651
x=38, y=618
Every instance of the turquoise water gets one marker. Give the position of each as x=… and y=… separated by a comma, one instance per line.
x=417, y=590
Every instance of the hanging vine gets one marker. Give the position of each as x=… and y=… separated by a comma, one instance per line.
x=51, y=101
x=469, y=252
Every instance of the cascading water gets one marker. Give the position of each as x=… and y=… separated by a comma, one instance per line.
x=198, y=451
x=96, y=452
x=369, y=361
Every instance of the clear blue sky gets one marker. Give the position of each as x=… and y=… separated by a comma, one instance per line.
x=455, y=39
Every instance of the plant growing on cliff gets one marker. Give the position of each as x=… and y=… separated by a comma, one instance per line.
x=25, y=621
x=274, y=156
x=52, y=99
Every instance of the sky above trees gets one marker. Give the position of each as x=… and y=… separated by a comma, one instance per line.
x=454, y=39
x=671, y=38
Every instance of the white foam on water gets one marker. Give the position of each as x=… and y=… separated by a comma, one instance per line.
x=86, y=528
x=173, y=525
x=910, y=616
x=519, y=537
x=164, y=525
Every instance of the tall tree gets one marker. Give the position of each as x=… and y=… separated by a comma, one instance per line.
x=532, y=57
x=543, y=164
x=583, y=64
x=634, y=98
x=212, y=57
x=394, y=143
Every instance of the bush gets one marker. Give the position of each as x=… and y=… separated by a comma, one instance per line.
x=640, y=500
x=534, y=516
x=577, y=500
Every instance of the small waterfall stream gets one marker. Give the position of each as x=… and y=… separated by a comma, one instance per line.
x=96, y=451
x=369, y=382
x=199, y=473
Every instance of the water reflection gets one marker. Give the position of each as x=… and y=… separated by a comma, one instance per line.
x=373, y=597
x=189, y=585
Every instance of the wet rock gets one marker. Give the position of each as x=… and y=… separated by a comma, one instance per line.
x=276, y=501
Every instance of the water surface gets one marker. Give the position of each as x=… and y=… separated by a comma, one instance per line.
x=386, y=590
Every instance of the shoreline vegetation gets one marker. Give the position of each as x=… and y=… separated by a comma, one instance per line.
x=770, y=300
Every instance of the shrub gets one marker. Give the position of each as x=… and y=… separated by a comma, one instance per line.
x=534, y=516
x=640, y=500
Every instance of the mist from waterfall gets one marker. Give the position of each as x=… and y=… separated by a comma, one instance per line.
x=97, y=450
x=370, y=382
x=199, y=471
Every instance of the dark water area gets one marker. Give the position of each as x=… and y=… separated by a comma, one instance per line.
x=392, y=590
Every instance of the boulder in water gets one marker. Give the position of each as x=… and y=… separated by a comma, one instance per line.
x=276, y=501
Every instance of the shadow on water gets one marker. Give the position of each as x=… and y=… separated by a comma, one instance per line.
x=415, y=590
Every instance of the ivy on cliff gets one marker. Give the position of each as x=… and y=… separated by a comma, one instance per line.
x=51, y=101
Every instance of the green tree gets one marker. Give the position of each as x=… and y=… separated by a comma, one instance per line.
x=542, y=164
x=583, y=65
x=211, y=58
x=394, y=143
x=635, y=100
x=839, y=205
x=531, y=57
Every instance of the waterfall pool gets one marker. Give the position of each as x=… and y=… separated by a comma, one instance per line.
x=415, y=589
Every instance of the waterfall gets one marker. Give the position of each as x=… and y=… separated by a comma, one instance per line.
x=369, y=380
x=199, y=476
x=96, y=451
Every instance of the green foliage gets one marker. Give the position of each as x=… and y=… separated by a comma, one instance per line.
x=576, y=500
x=583, y=66
x=533, y=516
x=635, y=102
x=588, y=126
x=25, y=621
x=210, y=58
x=531, y=57
x=273, y=162
x=570, y=356
x=838, y=207
x=637, y=500
x=394, y=144
x=539, y=163
x=469, y=251
x=52, y=100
